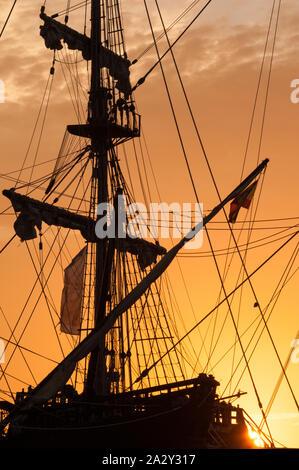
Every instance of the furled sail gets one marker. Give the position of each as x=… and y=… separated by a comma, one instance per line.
x=61, y=374
x=71, y=298
x=34, y=212
x=145, y=251
x=54, y=33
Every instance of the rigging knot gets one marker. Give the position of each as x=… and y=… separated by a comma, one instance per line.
x=142, y=375
x=40, y=245
x=140, y=82
x=52, y=69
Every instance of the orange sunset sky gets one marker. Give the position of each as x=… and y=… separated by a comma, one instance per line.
x=220, y=58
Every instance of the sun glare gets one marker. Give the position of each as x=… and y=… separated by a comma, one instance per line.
x=256, y=438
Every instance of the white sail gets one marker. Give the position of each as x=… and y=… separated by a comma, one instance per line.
x=71, y=298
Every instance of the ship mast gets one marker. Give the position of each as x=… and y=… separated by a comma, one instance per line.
x=96, y=377
x=111, y=118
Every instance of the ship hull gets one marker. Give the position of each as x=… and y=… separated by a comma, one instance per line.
x=171, y=429
x=180, y=419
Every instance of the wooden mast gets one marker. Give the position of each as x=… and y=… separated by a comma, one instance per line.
x=96, y=377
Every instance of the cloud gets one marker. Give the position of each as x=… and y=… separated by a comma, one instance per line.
x=285, y=416
x=211, y=50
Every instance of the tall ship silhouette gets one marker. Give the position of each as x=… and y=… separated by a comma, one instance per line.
x=125, y=380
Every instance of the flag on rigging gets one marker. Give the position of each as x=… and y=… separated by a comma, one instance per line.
x=242, y=200
x=71, y=298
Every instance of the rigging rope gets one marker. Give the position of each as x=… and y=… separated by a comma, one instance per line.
x=40, y=277
x=34, y=128
x=242, y=260
x=13, y=336
x=262, y=127
x=67, y=11
x=176, y=20
x=40, y=295
x=204, y=254
x=274, y=299
x=73, y=8
x=176, y=125
x=257, y=91
x=173, y=295
x=142, y=79
x=283, y=373
x=243, y=264
x=194, y=123
x=44, y=118
x=7, y=19
x=230, y=294
x=268, y=81
x=217, y=267
x=29, y=350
